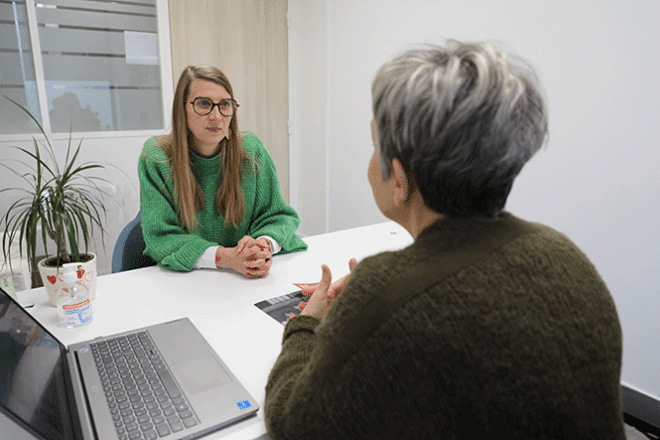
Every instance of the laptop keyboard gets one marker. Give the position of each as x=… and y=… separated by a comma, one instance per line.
x=144, y=400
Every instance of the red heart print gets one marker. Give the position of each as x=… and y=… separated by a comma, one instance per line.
x=80, y=272
x=52, y=279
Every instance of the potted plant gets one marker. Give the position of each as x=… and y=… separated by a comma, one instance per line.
x=61, y=204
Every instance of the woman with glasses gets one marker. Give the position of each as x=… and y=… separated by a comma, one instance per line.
x=209, y=194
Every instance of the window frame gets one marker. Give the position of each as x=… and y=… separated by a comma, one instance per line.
x=166, y=82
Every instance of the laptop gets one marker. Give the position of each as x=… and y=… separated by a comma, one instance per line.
x=158, y=382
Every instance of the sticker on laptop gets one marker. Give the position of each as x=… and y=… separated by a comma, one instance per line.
x=243, y=405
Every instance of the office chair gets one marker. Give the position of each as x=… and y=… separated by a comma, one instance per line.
x=128, y=251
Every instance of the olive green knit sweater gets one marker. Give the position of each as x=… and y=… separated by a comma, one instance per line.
x=174, y=248
x=500, y=337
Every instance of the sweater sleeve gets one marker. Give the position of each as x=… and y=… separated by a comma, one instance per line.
x=168, y=243
x=317, y=388
x=271, y=215
x=283, y=411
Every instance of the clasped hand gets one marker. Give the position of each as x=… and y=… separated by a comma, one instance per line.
x=251, y=257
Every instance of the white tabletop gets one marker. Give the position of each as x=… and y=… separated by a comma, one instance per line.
x=221, y=305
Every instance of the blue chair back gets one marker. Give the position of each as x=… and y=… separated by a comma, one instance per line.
x=128, y=252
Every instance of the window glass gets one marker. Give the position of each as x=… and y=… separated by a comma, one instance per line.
x=100, y=61
x=17, y=78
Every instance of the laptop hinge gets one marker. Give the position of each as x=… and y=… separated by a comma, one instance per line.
x=85, y=426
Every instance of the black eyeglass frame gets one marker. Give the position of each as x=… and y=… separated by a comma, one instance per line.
x=235, y=106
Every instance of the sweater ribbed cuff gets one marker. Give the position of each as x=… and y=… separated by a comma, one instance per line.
x=300, y=324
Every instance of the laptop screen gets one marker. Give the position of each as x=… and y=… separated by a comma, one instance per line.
x=32, y=374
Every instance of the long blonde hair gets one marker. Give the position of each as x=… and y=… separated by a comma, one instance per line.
x=188, y=195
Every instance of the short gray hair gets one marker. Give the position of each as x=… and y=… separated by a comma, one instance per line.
x=462, y=120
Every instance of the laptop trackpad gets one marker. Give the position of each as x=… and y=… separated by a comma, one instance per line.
x=201, y=374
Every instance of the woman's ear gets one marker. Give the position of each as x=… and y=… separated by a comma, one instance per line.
x=401, y=183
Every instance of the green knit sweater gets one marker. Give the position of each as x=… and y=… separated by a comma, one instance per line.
x=517, y=339
x=174, y=248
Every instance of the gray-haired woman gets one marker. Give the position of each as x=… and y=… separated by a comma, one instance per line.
x=487, y=326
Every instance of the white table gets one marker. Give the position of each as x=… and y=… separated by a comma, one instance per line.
x=221, y=305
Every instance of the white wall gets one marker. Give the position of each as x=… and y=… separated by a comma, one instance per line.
x=597, y=179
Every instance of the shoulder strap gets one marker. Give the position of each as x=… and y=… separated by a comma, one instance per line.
x=432, y=271
x=474, y=249
x=443, y=265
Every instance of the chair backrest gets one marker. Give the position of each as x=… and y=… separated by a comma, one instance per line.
x=128, y=252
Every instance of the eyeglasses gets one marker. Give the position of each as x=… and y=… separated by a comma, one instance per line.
x=204, y=106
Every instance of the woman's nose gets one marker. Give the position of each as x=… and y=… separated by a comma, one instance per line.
x=215, y=113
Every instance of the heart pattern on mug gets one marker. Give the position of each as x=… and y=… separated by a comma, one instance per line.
x=52, y=279
x=80, y=273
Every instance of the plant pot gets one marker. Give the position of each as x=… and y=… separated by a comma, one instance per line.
x=52, y=277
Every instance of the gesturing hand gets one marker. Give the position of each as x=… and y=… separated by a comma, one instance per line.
x=325, y=292
x=251, y=257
